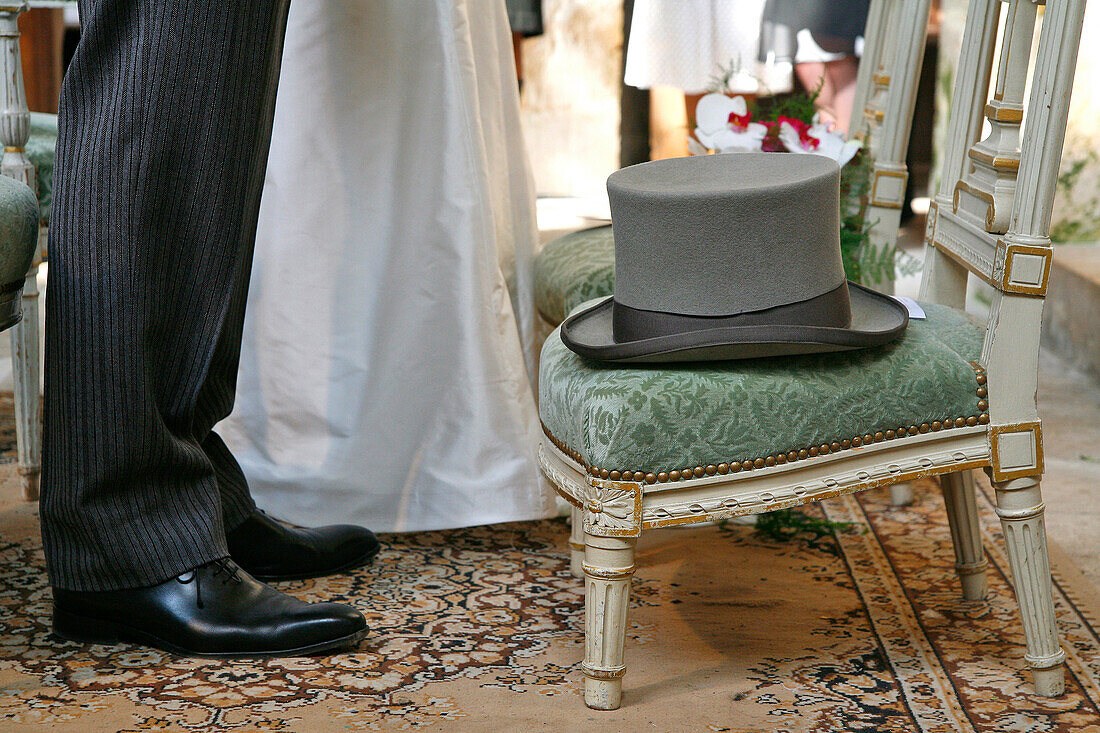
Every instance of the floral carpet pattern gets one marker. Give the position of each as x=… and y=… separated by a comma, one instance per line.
x=480, y=629
x=441, y=606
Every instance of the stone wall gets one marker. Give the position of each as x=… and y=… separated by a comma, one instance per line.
x=572, y=83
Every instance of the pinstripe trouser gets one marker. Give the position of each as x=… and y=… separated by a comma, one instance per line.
x=165, y=124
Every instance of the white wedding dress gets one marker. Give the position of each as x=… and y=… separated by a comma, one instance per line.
x=385, y=368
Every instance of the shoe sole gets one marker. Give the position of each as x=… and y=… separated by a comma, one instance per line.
x=360, y=562
x=87, y=630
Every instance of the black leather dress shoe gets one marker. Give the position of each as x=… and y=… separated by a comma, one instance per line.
x=270, y=550
x=215, y=610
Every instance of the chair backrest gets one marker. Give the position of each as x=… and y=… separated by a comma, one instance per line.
x=991, y=215
x=886, y=94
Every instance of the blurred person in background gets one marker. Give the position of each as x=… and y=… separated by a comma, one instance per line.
x=681, y=49
x=820, y=39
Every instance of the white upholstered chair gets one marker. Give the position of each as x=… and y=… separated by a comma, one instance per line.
x=643, y=447
x=29, y=141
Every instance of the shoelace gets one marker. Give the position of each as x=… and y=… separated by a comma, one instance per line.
x=220, y=566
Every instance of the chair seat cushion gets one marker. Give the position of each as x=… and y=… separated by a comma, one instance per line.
x=40, y=150
x=573, y=269
x=671, y=417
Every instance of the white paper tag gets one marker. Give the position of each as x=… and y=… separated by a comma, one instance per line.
x=915, y=311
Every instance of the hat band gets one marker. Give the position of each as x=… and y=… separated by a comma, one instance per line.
x=830, y=310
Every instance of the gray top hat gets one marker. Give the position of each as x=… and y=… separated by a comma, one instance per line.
x=729, y=257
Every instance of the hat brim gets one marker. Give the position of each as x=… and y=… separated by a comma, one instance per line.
x=876, y=319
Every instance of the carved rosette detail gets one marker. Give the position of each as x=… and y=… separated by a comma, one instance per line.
x=612, y=511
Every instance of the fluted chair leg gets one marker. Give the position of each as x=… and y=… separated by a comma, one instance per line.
x=576, y=543
x=1020, y=507
x=962, y=516
x=901, y=494
x=25, y=376
x=608, y=567
x=14, y=134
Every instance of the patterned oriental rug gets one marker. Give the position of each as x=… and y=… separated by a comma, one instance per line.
x=480, y=630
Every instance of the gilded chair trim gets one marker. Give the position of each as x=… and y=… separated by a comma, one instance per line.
x=1000, y=468
x=1004, y=114
x=985, y=196
x=888, y=195
x=608, y=573
x=1008, y=268
x=603, y=674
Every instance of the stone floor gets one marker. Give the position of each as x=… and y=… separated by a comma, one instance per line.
x=1069, y=404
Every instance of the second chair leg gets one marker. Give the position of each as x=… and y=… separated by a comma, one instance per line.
x=608, y=567
x=25, y=376
x=966, y=535
x=901, y=494
x=1020, y=507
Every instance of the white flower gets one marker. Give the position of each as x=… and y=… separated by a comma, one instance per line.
x=818, y=139
x=724, y=124
x=713, y=111
x=734, y=140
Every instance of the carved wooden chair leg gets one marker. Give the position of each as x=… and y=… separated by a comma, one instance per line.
x=1020, y=507
x=25, y=376
x=576, y=542
x=962, y=516
x=14, y=134
x=608, y=567
x=901, y=494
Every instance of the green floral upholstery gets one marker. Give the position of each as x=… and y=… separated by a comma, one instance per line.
x=660, y=418
x=573, y=269
x=40, y=149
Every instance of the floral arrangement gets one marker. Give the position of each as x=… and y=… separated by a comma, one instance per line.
x=728, y=124
x=725, y=125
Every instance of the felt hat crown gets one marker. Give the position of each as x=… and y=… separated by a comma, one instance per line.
x=727, y=257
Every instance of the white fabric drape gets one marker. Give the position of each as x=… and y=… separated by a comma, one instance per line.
x=687, y=43
x=384, y=375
